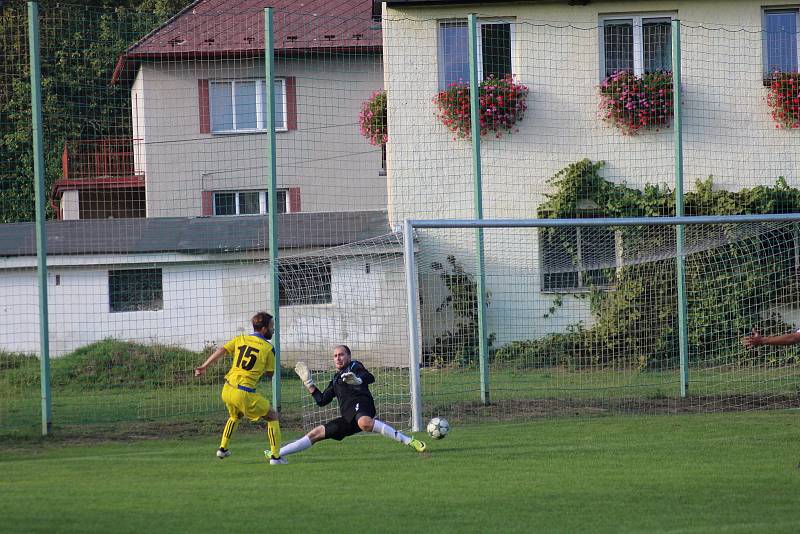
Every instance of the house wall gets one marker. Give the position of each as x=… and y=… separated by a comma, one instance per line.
x=727, y=132
x=326, y=157
x=205, y=304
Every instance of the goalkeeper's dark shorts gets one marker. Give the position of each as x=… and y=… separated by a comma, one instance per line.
x=341, y=427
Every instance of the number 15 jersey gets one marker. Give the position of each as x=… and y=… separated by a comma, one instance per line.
x=253, y=355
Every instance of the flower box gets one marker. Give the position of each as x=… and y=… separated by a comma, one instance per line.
x=784, y=99
x=633, y=103
x=502, y=106
x=372, y=119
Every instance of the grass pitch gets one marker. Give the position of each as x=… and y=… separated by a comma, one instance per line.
x=681, y=473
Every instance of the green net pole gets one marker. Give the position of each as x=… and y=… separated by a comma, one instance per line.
x=40, y=192
x=683, y=329
x=475, y=130
x=269, y=66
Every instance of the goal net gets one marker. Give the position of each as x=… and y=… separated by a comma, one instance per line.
x=585, y=317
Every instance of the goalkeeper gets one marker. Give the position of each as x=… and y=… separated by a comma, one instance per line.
x=253, y=356
x=350, y=387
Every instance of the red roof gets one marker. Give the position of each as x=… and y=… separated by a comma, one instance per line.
x=221, y=28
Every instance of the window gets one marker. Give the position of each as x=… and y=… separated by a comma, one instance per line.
x=304, y=283
x=240, y=105
x=135, y=290
x=577, y=258
x=780, y=40
x=636, y=43
x=494, y=49
x=246, y=202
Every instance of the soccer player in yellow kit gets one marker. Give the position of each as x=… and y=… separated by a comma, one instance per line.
x=253, y=356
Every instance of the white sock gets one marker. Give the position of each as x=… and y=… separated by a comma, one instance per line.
x=379, y=427
x=296, y=446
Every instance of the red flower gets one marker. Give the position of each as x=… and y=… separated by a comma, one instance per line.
x=633, y=103
x=784, y=99
x=502, y=104
x=372, y=119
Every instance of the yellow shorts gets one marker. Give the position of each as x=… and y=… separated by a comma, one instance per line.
x=243, y=403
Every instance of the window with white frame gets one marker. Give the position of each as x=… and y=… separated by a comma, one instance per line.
x=241, y=105
x=246, y=202
x=781, y=40
x=304, y=283
x=494, y=51
x=636, y=43
x=576, y=258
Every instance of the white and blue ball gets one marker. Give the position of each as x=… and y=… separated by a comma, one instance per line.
x=438, y=427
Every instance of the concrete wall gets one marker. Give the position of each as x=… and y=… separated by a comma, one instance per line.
x=326, y=157
x=728, y=131
x=204, y=304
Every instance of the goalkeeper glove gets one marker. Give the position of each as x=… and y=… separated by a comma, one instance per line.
x=351, y=379
x=305, y=375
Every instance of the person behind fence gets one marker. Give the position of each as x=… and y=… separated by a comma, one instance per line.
x=253, y=356
x=350, y=386
x=755, y=339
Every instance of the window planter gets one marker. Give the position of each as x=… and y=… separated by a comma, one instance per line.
x=633, y=103
x=502, y=106
x=784, y=99
x=372, y=119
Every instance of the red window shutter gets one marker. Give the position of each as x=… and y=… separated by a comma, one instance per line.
x=294, y=199
x=205, y=113
x=291, y=103
x=208, y=203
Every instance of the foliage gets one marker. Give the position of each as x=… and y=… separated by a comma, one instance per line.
x=502, y=105
x=633, y=103
x=372, y=119
x=727, y=301
x=460, y=345
x=784, y=99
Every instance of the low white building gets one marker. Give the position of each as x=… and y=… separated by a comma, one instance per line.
x=195, y=283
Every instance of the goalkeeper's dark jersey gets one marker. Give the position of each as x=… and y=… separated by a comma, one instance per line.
x=348, y=396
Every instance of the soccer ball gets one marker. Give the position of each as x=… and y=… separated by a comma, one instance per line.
x=438, y=427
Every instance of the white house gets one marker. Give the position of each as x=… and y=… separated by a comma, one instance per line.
x=562, y=50
x=194, y=282
x=198, y=144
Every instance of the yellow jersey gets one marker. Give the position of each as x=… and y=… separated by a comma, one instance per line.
x=253, y=355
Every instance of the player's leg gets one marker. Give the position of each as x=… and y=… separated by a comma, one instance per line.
x=274, y=437
x=368, y=423
x=256, y=407
x=230, y=425
x=337, y=429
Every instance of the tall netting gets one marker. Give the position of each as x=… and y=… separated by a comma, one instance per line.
x=157, y=176
x=576, y=333
x=19, y=315
x=560, y=85
x=158, y=169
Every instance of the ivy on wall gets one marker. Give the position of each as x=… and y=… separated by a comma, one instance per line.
x=731, y=288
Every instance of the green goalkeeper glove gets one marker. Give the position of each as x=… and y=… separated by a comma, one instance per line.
x=305, y=375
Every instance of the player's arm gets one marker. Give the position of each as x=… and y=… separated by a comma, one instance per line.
x=323, y=398
x=756, y=339
x=216, y=355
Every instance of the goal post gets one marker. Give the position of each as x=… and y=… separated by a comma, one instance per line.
x=599, y=350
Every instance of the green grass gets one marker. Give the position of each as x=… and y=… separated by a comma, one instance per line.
x=114, y=381
x=734, y=473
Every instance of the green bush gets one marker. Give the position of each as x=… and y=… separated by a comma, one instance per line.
x=111, y=363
